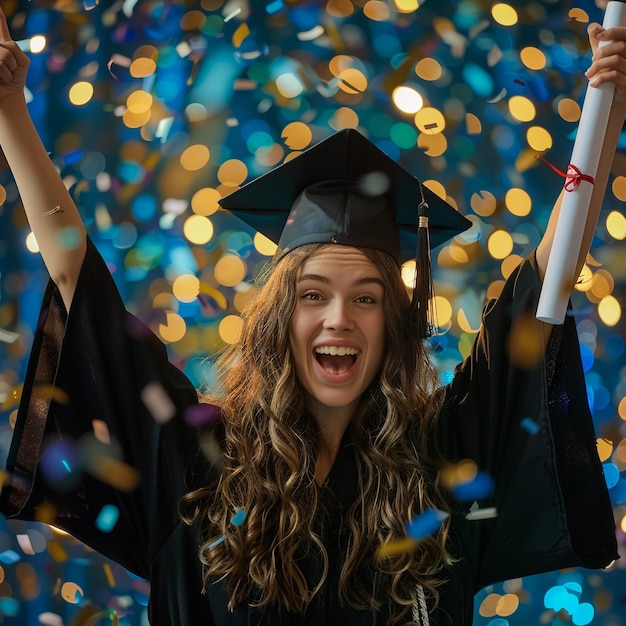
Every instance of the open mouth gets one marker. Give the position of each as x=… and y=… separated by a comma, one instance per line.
x=336, y=359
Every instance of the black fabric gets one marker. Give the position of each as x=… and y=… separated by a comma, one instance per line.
x=552, y=505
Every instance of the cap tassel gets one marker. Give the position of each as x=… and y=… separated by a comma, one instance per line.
x=421, y=304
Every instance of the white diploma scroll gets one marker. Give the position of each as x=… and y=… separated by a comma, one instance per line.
x=559, y=278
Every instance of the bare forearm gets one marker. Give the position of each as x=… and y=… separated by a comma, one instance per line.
x=49, y=207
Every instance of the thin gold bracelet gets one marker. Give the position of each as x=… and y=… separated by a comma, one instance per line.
x=57, y=209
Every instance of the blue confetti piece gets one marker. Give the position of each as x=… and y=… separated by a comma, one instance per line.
x=9, y=556
x=554, y=598
x=274, y=7
x=107, y=518
x=481, y=486
x=446, y=377
x=425, y=524
x=478, y=79
x=530, y=425
x=238, y=518
x=539, y=88
x=9, y=607
x=217, y=542
x=73, y=157
x=570, y=603
x=573, y=587
x=611, y=474
x=583, y=614
x=587, y=357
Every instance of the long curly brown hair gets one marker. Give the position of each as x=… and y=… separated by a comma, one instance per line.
x=271, y=450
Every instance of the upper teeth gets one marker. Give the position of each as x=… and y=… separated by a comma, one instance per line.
x=336, y=350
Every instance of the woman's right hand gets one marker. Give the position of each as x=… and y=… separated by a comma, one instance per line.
x=13, y=65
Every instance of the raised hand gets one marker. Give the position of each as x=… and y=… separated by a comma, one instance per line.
x=609, y=61
x=13, y=64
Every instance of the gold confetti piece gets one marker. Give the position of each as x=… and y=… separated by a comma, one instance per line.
x=217, y=295
x=109, y=575
x=57, y=552
x=46, y=514
x=396, y=547
x=116, y=473
x=12, y=399
x=526, y=342
x=51, y=392
x=71, y=593
x=458, y=473
x=472, y=124
x=240, y=34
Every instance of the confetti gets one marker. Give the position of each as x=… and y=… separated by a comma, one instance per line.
x=530, y=425
x=50, y=619
x=9, y=557
x=109, y=575
x=238, y=518
x=425, y=524
x=71, y=593
x=480, y=486
x=476, y=513
x=107, y=518
x=8, y=336
x=396, y=547
x=158, y=402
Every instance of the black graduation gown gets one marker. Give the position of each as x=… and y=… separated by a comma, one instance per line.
x=553, y=509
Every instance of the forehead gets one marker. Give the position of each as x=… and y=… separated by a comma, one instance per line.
x=337, y=259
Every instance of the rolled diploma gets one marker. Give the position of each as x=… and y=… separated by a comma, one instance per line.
x=559, y=277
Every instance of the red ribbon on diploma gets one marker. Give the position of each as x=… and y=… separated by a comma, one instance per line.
x=573, y=177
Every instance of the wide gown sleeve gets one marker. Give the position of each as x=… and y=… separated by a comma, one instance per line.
x=101, y=436
x=521, y=413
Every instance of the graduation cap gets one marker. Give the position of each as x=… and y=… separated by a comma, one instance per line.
x=347, y=191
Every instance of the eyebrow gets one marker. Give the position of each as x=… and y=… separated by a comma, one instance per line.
x=366, y=280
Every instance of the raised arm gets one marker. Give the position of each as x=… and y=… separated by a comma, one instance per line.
x=48, y=205
x=609, y=65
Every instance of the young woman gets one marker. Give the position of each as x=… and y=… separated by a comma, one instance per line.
x=331, y=433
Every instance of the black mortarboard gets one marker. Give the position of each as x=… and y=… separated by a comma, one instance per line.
x=346, y=190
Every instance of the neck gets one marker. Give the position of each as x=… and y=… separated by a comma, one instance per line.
x=332, y=423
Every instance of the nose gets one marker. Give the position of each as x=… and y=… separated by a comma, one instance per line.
x=338, y=316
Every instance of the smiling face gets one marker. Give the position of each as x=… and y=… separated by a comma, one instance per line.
x=337, y=332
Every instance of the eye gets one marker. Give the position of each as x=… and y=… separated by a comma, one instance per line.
x=366, y=300
x=311, y=295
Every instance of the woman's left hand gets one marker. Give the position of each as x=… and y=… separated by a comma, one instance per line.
x=609, y=60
